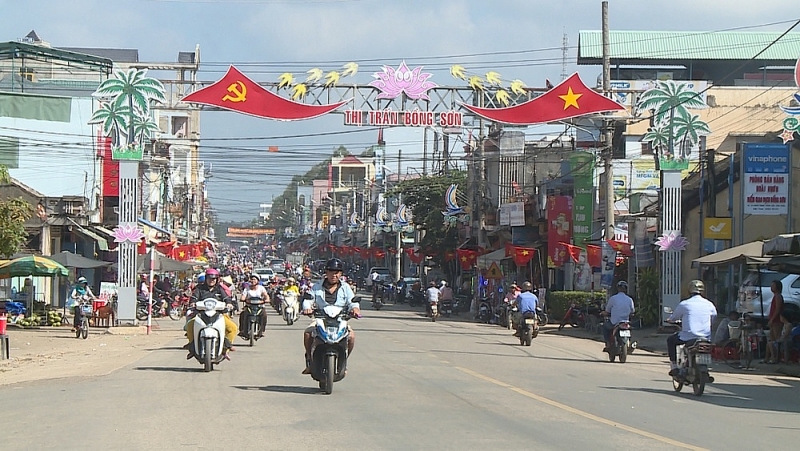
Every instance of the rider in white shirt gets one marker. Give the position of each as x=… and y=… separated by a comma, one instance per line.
x=432, y=294
x=255, y=290
x=696, y=314
x=618, y=308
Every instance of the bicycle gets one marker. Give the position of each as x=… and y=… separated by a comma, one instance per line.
x=737, y=352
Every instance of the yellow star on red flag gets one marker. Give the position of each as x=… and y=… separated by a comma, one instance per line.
x=570, y=99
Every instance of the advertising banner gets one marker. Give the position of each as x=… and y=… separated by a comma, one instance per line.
x=559, y=229
x=582, y=171
x=608, y=264
x=766, y=179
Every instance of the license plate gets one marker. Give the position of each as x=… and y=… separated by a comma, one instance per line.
x=703, y=359
x=624, y=333
x=530, y=321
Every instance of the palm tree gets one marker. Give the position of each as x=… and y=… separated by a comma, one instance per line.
x=658, y=137
x=134, y=89
x=114, y=119
x=669, y=98
x=688, y=130
x=144, y=127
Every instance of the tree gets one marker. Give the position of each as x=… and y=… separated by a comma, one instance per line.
x=134, y=90
x=13, y=214
x=425, y=197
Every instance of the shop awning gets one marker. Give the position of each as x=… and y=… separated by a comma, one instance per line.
x=154, y=226
x=103, y=230
x=102, y=243
x=782, y=244
x=749, y=253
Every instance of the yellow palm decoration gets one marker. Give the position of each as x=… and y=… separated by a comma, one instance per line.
x=332, y=78
x=517, y=87
x=285, y=80
x=458, y=72
x=476, y=83
x=502, y=97
x=350, y=69
x=299, y=90
x=493, y=78
x=314, y=75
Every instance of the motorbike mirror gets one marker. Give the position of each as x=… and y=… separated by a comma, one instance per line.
x=668, y=310
x=308, y=295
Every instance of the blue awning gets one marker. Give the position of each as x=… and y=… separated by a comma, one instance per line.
x=155, y=226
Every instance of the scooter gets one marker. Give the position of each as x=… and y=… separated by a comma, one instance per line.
x=417, y=298
x=377, y=302
x=329, y=348
x=446, y=307
x=208, y=345
x=527, y=329
x=484, y=311
x=290, y=308
x=252, y=309
x=694, y=358
x=620, y=342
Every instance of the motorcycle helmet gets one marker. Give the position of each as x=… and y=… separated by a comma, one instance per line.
x=82, y=280
x=201, y=278
x=431, y=283
x=527, y=286
x=622, y=285
x=334, y=264
x=212, y=273
x=696, y=287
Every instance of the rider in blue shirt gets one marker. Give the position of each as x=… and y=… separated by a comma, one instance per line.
x=526, y=305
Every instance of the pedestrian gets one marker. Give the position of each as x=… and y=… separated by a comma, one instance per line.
x=774, y=322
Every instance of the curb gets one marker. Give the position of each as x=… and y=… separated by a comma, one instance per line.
x=137, y=330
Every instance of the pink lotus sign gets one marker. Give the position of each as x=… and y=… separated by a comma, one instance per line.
x=412, y=82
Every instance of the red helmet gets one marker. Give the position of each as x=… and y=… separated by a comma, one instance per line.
x=211, y=272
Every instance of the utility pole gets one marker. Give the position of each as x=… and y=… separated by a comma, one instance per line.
x=607, y=129
x=425, y=152
x=399, y=241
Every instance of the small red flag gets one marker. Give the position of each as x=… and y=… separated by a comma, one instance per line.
x=570, y=98
x=522, y=255
x=236, y=92
x=594, y=255
x=621, y=247
x=574, y=251
x=467, y=258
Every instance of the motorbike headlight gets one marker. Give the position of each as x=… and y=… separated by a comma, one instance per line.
x=209, y=305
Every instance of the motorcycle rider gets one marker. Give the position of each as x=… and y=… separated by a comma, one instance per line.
x=619, y=308
x=331, y=291
x=255, y=290
x=291, y=293
x=210, y=289
x=432, y=295
x=696, y=314
x=80, y=290
x=526, y=302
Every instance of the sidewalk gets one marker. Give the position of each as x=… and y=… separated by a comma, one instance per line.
x=653, y=340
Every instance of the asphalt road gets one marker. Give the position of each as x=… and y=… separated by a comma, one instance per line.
x=412, y=384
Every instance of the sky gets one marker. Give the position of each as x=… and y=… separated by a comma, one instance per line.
x=520, y=39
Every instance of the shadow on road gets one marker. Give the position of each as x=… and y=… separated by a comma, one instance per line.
x=172, y=369
x=167, y=348
x=280, y=389
x=756, y=397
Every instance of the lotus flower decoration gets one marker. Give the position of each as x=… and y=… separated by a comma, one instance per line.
x=128, y=232
x=672, y=241
x=393, y=82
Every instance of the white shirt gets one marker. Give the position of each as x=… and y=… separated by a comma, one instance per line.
x=620, y=306
x=433, y=294
x=696, y=314
x=258, y=292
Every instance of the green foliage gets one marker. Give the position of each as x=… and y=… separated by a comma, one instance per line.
x=559, y=301
x=647, y=305
x=425, y=197
x=13, y=214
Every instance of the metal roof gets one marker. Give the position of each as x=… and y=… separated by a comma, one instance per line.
x=686, y=45
x=13, y=50
x=116, y=55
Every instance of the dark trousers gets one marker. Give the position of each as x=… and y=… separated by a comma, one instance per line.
x=244, y=322
x=77, y=318
x=672, y=342
x=607, y=328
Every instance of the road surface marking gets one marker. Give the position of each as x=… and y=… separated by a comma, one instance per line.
x=581, y=413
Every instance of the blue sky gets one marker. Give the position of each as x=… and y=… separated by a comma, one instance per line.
x=266, y=38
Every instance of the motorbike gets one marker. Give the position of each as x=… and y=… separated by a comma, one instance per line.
x=377, y=302
x=329, y=348
x=417, y=298
x=434, y=311
x=504, y=312
x=290, y=307
x=541, y=316
x=252, y=309
x=163, y=306
x=694, y=358
x=208, y=345
x=578, y=316
x=620, y=342
x=446, y=307
x=85, y=312
x=484, y=311
x=528, y=329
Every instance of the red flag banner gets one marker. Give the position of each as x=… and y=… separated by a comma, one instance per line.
x=621, y=247
x=141, y=248
x=236, y=92
x=573, y=251
x=165, y=247
x=183, y=252
x=365, y=253
x=570, y=98
x=594, y=255
x=414, y=256
x=522, y=255
x=467, y=258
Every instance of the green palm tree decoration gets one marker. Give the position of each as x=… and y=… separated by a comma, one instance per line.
x=114, y=119
x=134, y=89
x=668, y=96
x=144, y=127
x=658, y=137
x=688, y=130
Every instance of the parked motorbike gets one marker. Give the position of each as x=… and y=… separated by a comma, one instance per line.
x=208, y=345
x=417, y=298
x=484, y=311
x=578, y=316
x=377, y=302
x=694, y=358
x=290, y=307
x=527, y=329
x=162, y=306
x=541, y=316
x=329, y=349
x=504, y=312
x=252, y=311
x=620, y=342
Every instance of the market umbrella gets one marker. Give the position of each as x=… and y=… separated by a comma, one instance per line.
x=162, y=263
x=72, y=260
x=32, y=265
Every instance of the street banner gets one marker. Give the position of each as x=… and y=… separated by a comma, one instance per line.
x=609, y=263
x=559, y=229
x=581, y=167
x=766, y=179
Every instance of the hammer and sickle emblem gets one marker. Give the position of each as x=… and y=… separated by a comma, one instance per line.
x=238, y=91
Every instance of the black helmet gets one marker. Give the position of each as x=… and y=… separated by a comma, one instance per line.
x=334, y=264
